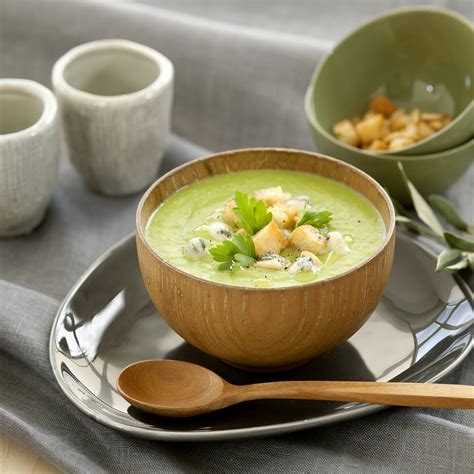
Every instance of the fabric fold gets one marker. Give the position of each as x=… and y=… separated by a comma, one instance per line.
x=240, y=82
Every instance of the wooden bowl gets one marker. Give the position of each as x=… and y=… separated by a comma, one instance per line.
x=265, y=328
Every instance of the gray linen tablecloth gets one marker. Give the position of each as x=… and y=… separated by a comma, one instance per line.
x=241, y=71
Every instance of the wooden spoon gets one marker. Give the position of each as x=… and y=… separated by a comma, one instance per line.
x=175, y=388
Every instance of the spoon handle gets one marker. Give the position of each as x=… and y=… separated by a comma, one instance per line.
x=384, y=393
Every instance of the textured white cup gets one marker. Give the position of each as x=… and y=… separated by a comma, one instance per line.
x=29, y=154
x=115, y=98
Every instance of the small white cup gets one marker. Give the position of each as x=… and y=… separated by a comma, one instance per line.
x=115, y=98
x=29, y=154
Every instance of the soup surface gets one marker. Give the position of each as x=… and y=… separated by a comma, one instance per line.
x=306, y=228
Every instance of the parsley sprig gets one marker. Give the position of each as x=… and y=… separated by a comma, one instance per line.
x=314, y=218
x=240, y=251
x=253, y=214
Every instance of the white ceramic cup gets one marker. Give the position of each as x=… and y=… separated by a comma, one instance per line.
x=115, y=98
x=29, y=154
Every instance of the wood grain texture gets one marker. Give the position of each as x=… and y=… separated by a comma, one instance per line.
x=16, y=459
x=383, y=393
x=176, y=388
x=265, y=328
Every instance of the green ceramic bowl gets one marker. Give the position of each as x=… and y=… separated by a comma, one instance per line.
x=419, y=57
x=431, y=173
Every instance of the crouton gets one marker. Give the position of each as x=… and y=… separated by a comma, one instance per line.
x=269, y=239
x=229, y=215
x=424, y=130
x=429, y=116
x=384, y=127
x=367, y=115
x=307, y=237
x=346, y=132
x=284, y=215
x=371, y=128
x=382, y=105
x=415, y=116
x=410, y=131
x=378, y=145
x=400, y=142
x=399, y=120
x=271, y=196
x=436, y=124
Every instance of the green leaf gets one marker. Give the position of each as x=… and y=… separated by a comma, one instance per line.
x=222, y=251
x=240, y=250
x=470, y=259
x=253, y=214
x=416, y=227
x=423, y=210
x=225, y=266
x=458, y=242
x=447, y=257
x=245, y=245
x=314, y=218
x=464, y=263
x=448, y=211
x=243, y=260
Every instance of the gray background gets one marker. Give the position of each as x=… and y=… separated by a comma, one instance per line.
x=241, y=71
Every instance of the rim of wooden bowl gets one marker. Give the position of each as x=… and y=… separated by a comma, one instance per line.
x=390, y=227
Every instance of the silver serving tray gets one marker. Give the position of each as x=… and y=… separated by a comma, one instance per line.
x=420, y=331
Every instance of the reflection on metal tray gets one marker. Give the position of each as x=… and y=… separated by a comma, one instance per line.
x=420, y=331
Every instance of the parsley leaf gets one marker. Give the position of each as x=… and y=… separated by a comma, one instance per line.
x=238, y=251
x=315, y=218
x=253, y=214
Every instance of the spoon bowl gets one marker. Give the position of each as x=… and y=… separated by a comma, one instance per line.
x=170, y=387
x=180, y=389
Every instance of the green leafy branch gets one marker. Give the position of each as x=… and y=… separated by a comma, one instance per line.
x=460, y=253
x=240, y=250
x=314, y=218
x=253, y=214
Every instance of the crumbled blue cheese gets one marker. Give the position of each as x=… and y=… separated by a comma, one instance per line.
x=196, y=248
x=314, y=259
x=337, y=243
x=304, y=264
x=219, y=231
